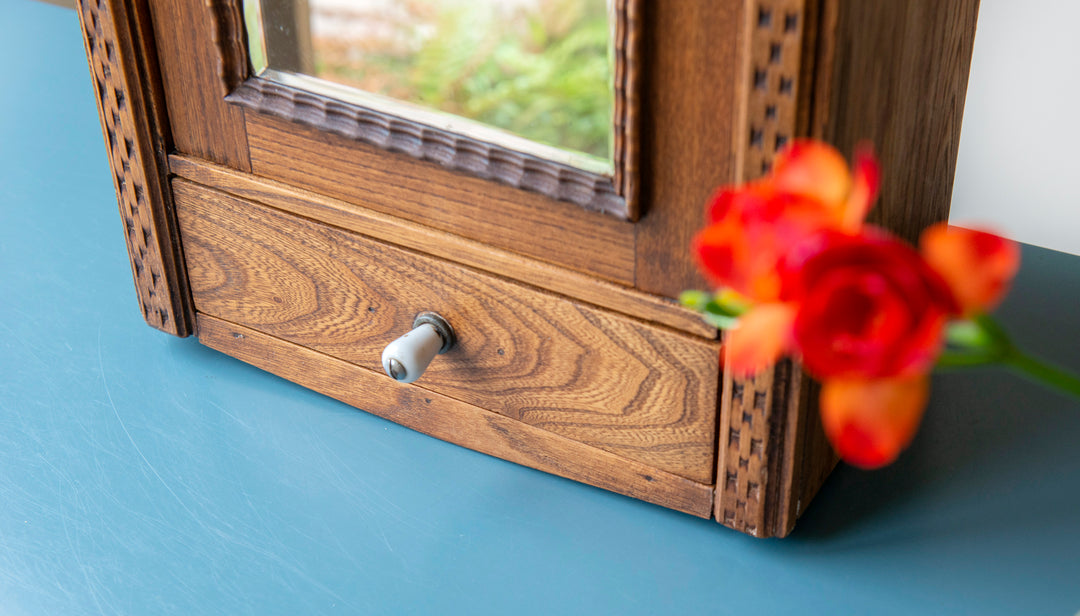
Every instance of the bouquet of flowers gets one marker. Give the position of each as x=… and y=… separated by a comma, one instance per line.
x=798, y=272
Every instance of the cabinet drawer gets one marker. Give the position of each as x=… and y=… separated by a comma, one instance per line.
x=639, y=391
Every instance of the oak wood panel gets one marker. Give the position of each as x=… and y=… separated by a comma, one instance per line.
x=691, y=70
x=899, y=79
x=485, y=211
x=190, y=60
x=454, y=421
x=444, y=245
x=636, y=390
x=131, y=108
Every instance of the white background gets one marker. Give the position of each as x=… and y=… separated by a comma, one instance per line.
x=1019, y=160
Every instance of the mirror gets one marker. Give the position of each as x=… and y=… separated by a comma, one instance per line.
x=533, y=76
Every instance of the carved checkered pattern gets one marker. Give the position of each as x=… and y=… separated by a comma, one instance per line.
x=772, y=80
x=128, y=164
x=754, y=411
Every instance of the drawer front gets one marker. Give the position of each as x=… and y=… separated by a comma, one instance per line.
x=633, y=389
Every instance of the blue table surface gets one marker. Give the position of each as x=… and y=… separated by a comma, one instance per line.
x=145, y=474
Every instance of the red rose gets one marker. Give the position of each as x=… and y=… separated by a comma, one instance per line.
x=869, y=307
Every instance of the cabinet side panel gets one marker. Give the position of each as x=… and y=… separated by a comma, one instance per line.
x=118, y=51
x=899, y=79
x=892, y=73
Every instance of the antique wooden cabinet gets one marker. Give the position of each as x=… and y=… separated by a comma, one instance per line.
x=302, y=234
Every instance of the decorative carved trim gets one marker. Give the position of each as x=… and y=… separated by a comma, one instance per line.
x=134, y=136
x=228, y=34
x=457, y=152
x=616, y=196
x=755, y=432
x=627, y=105
x=773, y=52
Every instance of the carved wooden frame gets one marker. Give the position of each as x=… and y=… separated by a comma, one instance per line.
x=131, y=108
x=616, y=194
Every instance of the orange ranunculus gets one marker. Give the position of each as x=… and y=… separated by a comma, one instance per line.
x=815, y=170
x=869, y=422
x=869, y=307
x=978, y=266
x=753, y=227
x=762, y=336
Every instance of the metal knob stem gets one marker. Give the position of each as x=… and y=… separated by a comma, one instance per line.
x=406, y=358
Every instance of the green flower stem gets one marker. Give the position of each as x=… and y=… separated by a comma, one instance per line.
x=1042, y=372
x=983, y=341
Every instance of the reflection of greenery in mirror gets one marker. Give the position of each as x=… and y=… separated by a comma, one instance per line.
x=537, y=68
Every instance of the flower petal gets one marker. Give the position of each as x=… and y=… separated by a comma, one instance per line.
x=864, y=188
x=869, y=422
x=977, y=265
x=813, y=170
x=762, y=336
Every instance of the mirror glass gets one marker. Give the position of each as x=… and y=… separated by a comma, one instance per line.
x=530, y=75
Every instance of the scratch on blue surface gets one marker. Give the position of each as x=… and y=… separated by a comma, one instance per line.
x=76, y=553
x=229, y=415
x=116, y=413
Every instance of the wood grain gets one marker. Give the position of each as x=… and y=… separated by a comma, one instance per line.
x=498, y=215
x=899, y=79
x=421, y=238
x=636, y=390
x=130, y=106
x=451, y=420
x=690, y=53
x=194, y=75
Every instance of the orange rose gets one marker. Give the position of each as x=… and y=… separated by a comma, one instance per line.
x=868, y=307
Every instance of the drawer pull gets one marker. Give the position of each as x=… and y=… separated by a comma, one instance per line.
x=406, y=358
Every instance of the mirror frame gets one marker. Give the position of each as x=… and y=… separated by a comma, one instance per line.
x=615, y=194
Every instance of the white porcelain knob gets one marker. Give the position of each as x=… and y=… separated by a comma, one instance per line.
x=406, y=358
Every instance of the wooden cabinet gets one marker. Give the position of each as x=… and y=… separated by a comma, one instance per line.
x=302, y=234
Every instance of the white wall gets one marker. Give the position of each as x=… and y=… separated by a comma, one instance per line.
x=1019, y=161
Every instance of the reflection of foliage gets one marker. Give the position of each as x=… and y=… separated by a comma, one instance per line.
x=540, y=70
x=253, y=25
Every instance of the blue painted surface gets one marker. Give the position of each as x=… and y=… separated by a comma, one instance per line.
x=144, y=474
